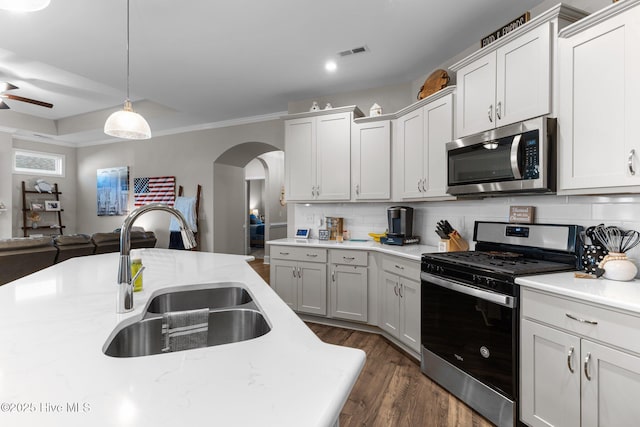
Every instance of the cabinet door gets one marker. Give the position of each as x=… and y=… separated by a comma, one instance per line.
x=300, y=158
x=284, y=280
x=438, y=130
x=371, y=160
x=598, y=117
x=409, y=293
x=611, y=389
x=411, y=139
x=390, y=306
x=523, y=77
x=550, y=372
x=475, y=110
x=334, y=156
x=349, y=292
x=312, y=288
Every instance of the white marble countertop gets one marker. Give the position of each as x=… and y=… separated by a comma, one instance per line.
x=56, y=323
x=413, y=252
x=609, y=293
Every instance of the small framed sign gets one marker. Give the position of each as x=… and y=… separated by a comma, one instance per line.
x=505, y=29
x=521, y=214
x=323, y=234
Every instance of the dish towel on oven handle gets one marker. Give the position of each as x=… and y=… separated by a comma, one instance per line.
x=184, y=330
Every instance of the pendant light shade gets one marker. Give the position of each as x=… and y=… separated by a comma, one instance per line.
x=24, y=5
x=127, y=124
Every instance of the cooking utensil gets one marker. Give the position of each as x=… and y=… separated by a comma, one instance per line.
x=616, y=239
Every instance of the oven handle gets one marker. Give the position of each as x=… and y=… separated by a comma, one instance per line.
x=515, y=148
x=503, y=300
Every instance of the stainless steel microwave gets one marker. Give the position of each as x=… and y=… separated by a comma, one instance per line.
x=518, y=158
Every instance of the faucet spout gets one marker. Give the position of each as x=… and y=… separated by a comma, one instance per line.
x=125, y=282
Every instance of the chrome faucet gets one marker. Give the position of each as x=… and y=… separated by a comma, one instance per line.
x=125, y=281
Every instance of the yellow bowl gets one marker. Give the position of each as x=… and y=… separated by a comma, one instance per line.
x=377, y=236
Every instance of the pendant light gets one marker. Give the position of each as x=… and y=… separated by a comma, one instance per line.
x=126, y=123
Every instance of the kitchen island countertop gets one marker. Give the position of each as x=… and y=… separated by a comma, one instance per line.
x=57, y=322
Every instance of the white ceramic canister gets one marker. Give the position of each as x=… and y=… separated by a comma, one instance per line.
x=618, y=267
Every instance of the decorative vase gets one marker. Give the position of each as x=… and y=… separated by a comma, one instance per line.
x=618, y=267
x=314, y=106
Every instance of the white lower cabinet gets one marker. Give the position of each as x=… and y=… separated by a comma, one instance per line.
x=349, y=284
x=400, y=301
x=300, y=284
x=569, y=380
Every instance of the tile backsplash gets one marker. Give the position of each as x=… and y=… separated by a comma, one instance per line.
x=363, y=218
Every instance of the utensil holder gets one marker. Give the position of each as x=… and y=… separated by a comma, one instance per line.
x=618, y=267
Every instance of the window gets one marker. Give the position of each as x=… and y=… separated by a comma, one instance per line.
x=36, y=163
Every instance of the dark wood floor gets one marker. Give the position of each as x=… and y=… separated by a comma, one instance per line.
x=391, y=391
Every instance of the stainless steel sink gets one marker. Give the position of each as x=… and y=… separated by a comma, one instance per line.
x=211, y=298
x=145, y=338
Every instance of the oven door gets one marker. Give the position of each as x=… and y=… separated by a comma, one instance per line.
x=473, y=329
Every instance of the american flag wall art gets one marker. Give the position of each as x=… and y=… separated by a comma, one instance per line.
x=161, y=189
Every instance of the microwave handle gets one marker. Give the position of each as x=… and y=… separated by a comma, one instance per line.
x=515, y=148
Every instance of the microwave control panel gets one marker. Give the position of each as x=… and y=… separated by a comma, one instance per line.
x=531, y=155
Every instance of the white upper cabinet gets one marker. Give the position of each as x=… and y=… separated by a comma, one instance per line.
x=371, y=160
x=599, y=60
x=422, y=132
x=318, y=155
x=510, y=80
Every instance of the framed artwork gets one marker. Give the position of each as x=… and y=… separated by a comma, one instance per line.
x=52, y=205
x=37, y=206
x=113, y=191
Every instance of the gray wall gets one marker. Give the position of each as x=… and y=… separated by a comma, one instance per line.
x=66, y=184
x=189, y=157
x=6, y=185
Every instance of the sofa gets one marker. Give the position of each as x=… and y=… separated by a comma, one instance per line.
x=25, y=255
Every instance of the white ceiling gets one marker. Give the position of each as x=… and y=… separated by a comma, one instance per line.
x=197, y=62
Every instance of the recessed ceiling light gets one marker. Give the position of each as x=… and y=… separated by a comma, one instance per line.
x=330, y=66
x=24, y=5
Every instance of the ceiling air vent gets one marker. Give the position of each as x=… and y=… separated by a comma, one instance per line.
x=361, y=49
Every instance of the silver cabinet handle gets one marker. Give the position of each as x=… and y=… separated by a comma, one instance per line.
x=348, y=258
x=284, y=253
x=586, y=366
x=570, y=359
x=419, y=185
x=490, y=113
x=499, y=111
x=312, y=255
x=294, y=271
x=357, y=189
x=333, y=276
x=395, y=289
x=632, y=171
x=299, y=272
x=400, y=292
x=399, y=266
x=313, y=191
x=424, y=181
x=318, y=190
x=590, y=322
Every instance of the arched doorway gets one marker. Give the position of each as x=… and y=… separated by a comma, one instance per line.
x=231, y=217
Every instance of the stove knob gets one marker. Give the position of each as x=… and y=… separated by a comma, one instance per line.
x=491, y=283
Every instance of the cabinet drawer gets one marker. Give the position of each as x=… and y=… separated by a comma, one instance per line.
x=348, y=257
x=299, y=254
x=401, y=267
x=610, y=327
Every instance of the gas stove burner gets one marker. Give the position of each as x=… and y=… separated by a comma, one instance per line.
x=503, y=255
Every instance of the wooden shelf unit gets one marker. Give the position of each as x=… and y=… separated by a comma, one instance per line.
x=27, y=199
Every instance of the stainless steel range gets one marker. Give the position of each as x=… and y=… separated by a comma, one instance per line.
x=470, y=310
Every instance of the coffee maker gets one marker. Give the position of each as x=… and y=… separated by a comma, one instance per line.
x=400, y=232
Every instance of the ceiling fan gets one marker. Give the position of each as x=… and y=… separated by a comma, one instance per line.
x=5, y=86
